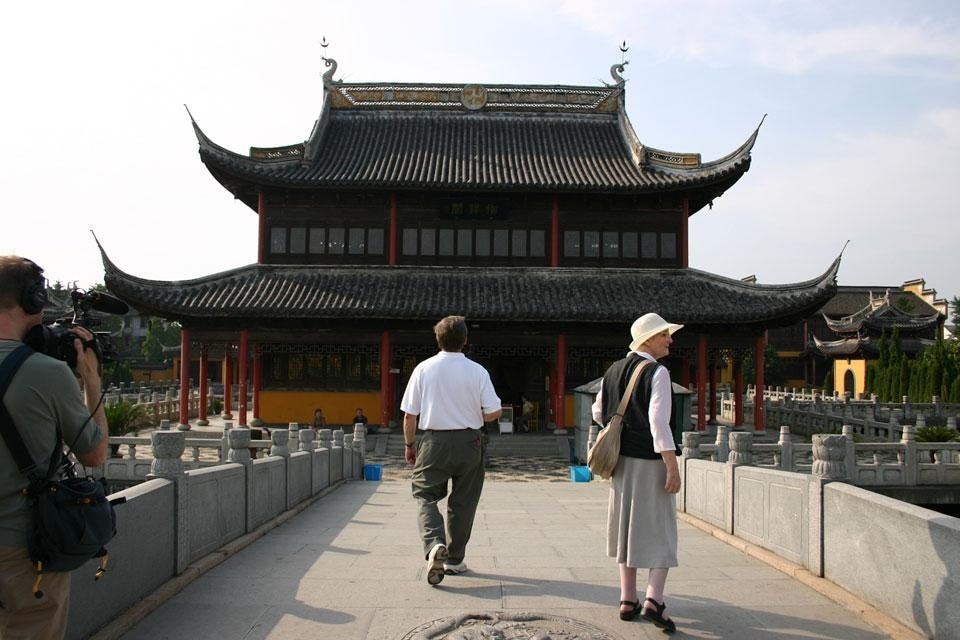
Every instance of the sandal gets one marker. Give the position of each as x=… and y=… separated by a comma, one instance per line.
x=655, y=615
x=634, y=609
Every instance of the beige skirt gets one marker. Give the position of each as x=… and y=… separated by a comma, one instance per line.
x=641, y=516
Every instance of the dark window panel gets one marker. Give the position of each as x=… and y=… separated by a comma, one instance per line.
x=375, y=242
x=337, y=240
x=464, y=242
x=571, y=244
x=538, y=243
x=629, y=244
x=278, y=240
x=298, y=240
x=611, y=244
x=318, y=241
x=428, y=242
x=648, y=244
x=668, y=245
x=356, y=243
x=519, y=243
x=501, y=247
x=591, y=244
x=483, y=242
x=446, y=242
x=409, y=242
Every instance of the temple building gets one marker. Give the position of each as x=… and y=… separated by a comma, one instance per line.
x=535, y=211
x=856, y=333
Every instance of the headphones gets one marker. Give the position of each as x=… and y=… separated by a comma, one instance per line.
x=33, y=297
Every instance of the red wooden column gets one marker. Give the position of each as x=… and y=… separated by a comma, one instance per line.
x=560, y=384
x=684, y=227
x=712, y=419
x=242, y=386
x=701, y=382
x=758, y=363
x=392, y=231
x=202, y=409
x=228, y=381
x=257, y=383
x=684, y=372
x=386, y=397
x=555, y=233
x=261, y=227
x=738, y=390
x=184, y=379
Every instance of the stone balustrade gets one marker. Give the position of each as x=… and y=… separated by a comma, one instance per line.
x=905, y=463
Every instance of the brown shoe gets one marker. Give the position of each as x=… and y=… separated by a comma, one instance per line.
x=632, y=612
x=654, y=613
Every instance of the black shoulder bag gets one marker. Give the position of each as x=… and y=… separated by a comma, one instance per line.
x=73, y=519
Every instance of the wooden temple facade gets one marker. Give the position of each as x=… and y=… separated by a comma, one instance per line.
x=534, y=211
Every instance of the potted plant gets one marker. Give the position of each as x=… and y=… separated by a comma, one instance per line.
x=122, y=418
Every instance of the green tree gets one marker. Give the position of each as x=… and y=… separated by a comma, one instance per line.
x=955, y=303
x=774, y=371
x=160, y=334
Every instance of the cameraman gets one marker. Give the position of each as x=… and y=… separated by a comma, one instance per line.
x=42, y=396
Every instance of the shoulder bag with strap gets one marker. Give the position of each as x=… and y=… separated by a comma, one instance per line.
x=605, y=452
x=73, y=519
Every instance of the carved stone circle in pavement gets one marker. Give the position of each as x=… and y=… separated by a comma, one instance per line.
x=502, y=625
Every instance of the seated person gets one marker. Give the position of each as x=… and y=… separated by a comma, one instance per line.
x=319, y=422
x=359, y=418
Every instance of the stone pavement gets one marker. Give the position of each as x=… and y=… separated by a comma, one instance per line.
x=350, y=566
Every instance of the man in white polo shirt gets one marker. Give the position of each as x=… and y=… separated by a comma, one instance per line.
x=452, y=396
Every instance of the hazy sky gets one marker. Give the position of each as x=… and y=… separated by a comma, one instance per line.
x=862, y=141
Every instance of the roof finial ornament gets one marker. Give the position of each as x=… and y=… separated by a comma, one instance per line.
x=329, y=62
x=617, y=69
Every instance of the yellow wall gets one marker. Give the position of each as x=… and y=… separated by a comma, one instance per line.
x=339, y=407
x=859, y=369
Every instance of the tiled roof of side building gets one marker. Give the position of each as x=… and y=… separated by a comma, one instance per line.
x=536, y=138
x=495, y=293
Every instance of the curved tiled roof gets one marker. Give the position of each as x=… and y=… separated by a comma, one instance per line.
x=513, y=294
x=558, y=139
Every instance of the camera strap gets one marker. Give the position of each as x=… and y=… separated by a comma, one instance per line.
x=11, y=436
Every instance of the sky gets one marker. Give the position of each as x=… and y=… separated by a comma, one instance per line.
x=861, y=140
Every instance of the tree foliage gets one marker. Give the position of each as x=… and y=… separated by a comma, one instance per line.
x=774, y=372
x=160, y=334
x=934, y=372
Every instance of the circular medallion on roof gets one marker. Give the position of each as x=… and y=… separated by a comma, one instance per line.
x=473, y=97
x=507, y=626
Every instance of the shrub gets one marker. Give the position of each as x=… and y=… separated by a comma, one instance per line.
x=123, y=417
x=936, y=434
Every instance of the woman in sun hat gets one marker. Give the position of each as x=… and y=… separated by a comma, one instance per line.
x=641, y=514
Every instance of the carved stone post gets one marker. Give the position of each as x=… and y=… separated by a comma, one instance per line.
x=786, y=449
x=723, y=444
x=909, y=459
x=168, y=447
x=741, y=448
x=850, y=455
x=307, y=442
x=894, y=427
x=691, y=445
x=325, y=436
x=293, y=429
x=921, y=421
x=828, y=455
x=279, y=439
x=239, y=441
x=952, y=422
x=338, y=437
x=592, y=436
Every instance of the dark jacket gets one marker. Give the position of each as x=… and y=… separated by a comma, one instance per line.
x=635, y=441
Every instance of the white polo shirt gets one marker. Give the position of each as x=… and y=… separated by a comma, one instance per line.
x=449, y=391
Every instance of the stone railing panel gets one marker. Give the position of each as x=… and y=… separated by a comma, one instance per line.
x=216, y=508
x=772, y=511
x=864, y=539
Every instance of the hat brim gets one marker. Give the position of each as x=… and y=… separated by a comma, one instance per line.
x=672, y=328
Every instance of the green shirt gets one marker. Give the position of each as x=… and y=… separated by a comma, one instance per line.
x=43, y=394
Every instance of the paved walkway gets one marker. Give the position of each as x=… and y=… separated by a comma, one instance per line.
x=350, y=566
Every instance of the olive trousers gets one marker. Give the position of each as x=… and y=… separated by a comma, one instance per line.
x=457, y=457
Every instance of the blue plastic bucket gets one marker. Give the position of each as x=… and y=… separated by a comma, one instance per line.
x=372, y=471
x=579, y=473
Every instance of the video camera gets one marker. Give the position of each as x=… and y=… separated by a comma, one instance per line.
x=56, y=340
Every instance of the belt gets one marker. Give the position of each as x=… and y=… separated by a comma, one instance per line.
x=452, y=430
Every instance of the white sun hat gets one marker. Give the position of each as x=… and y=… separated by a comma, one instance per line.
x=647, y=326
